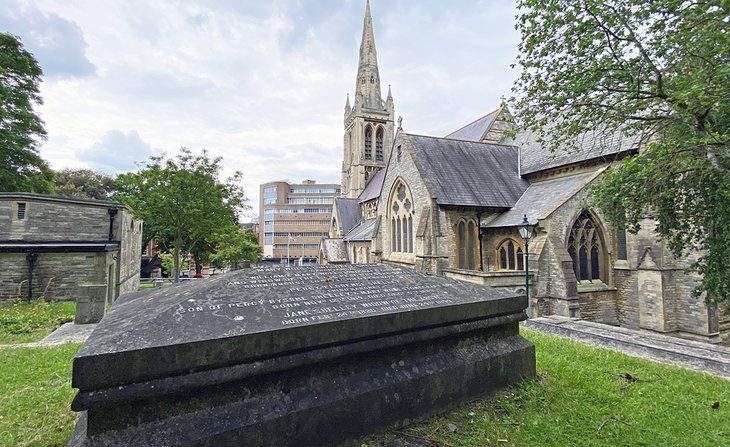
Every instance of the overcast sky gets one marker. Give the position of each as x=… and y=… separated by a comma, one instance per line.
x=260, y=82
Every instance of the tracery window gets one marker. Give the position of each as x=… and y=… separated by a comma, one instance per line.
x=401, y=219
x=510, y=256
x=585, y=246
x=379, y=144
x=368, y=142
x=467, y=250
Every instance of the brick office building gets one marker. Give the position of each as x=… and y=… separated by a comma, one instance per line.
x=295, y=218
x=61, y=248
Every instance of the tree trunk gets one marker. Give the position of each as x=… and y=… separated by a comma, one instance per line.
x=198, y=264
x=176, y=261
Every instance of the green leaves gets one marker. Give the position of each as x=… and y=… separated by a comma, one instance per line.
x=21, y=129
x=183, y=201
x=659, y=69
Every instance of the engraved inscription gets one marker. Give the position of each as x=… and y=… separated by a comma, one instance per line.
x=319, y=294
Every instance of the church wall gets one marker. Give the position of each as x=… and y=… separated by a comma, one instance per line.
x=407, y=170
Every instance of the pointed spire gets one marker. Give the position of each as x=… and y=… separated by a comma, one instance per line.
x=390, y=95
x=347, y=104
x=368, y=77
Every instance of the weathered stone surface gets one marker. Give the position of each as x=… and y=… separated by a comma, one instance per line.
x=280, y=356
x=91, y=303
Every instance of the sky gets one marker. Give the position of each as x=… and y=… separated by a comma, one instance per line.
x=261, y=83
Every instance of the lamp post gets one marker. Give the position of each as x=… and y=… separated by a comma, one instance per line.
x=288, y=242
x=526, y=232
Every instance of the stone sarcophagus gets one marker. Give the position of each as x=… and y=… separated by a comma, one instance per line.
x=293, y=356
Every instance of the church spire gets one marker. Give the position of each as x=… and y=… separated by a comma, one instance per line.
x=368, y=78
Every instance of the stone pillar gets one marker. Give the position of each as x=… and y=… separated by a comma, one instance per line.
x=651, y=295
x=90, y=303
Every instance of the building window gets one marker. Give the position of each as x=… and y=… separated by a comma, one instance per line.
x=510, y=256
x=379, y=144
x=21, y=210
x=467, y=236
x=401, y=219
x=368, y=142
x=621, y=252
x=585, y=246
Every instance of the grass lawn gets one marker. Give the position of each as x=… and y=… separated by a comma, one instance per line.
x=25, y=322
x=35, y=396
x=579, y=399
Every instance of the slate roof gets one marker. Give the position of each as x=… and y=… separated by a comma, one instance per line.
x=590, y=145
x=334, y=250
x=348, y=213
x=372, y=189
x=466, y=173
x=475, y=130
x=542, y=198
x=362, y=232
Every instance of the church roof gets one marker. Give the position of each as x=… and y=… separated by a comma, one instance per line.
x=475, y=130
x=362, y=232
x=542, y=198
x=467, y=173
x=348, y=213
x=591, y=145
x=334, y=250
x=372, y=189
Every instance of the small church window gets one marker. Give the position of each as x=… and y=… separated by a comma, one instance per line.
x=467, y=250
x=368, y=142
x=372, y=79
x=379, y=144
x=510, y=256
x=401, y=218
x=585, y=247
x=621, y=245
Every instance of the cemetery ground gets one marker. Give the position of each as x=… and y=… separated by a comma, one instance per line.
x=582, y=396
x=28, y=322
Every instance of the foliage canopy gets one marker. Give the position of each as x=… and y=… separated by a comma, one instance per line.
x=183, y=200
x=659, y=69
x=21, y=129
x=84, y=183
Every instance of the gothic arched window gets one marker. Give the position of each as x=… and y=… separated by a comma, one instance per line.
x=510, y=256
x=585, y=246
x=368, y=142
x=467, y=249
x=379, y=144
x=401, y=219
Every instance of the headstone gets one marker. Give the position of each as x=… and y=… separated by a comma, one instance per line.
x=90, y=303
x=293, y=357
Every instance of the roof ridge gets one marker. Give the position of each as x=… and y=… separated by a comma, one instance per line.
x=466, y=141
x=472, y=122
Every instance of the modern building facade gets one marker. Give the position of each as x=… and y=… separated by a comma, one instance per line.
x=295, y=218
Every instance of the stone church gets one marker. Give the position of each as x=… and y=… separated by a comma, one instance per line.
x=451, y=205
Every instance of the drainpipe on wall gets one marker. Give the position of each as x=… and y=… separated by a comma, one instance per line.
x=32, y=258
x=112, y=213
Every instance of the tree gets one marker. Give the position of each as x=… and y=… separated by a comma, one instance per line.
x=236, y=247
x=182, y=200
x=84, y=183
x=21, y=129
x=657, y=69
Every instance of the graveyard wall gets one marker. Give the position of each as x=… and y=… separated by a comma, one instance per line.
x=70, y=241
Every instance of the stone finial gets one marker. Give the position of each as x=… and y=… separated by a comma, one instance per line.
x=400, y=122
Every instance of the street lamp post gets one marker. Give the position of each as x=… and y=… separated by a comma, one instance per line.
x=288, y=242
x=526, y=232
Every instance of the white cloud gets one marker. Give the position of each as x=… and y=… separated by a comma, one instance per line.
x=117, y=152
x=263, y=84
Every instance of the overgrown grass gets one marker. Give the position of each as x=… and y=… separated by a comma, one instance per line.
x=35, y=396
x=582, y=397
x=25, y=322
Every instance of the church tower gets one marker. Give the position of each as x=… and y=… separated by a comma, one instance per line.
x=368, y=122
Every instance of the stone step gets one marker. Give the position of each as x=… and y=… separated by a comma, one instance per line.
x=704, y=357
